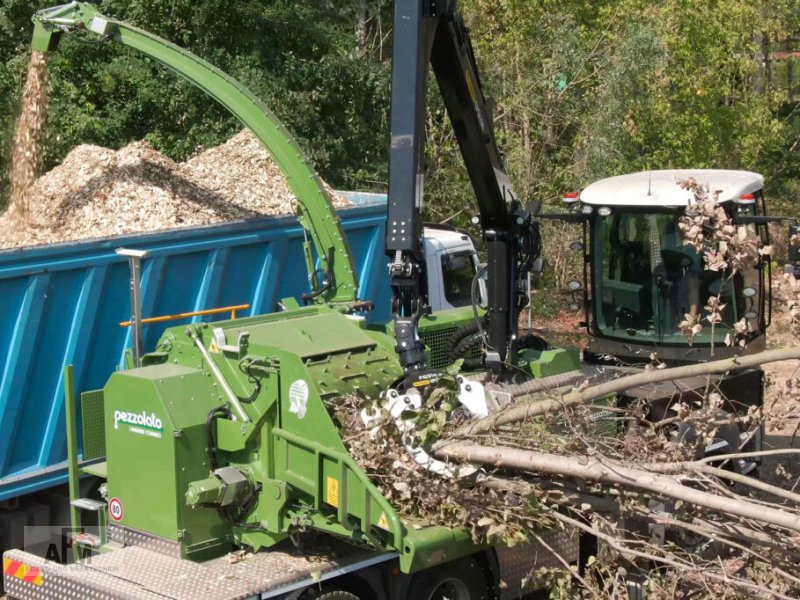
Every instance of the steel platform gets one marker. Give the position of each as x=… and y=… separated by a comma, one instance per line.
x=139, y=573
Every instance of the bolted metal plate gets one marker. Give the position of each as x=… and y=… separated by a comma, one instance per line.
x=518, y=563
x=94, y=433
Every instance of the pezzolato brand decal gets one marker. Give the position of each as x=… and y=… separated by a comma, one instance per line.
x=140, y=423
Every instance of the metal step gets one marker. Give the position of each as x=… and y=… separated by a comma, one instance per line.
x=88, y=504
x=87, y=539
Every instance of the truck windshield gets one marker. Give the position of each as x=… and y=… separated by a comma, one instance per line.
x=647, y=281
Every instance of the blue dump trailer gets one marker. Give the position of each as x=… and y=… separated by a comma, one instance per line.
x=63, y=304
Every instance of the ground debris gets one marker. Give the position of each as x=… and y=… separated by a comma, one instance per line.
x=97, y=192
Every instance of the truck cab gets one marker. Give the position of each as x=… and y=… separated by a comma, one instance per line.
x=451, y=264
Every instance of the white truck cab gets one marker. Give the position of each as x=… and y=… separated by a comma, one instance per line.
x=451, y=263
x=450, y=259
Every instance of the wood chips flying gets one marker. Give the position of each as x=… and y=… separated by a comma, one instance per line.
x=98, y=192
x=28, y=135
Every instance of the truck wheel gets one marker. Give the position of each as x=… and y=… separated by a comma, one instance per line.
x=337, y=595
x=459, y=580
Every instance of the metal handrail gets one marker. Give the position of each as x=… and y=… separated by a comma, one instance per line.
x=194, y=313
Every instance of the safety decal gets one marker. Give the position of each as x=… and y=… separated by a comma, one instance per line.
x=298, y=398
x=332, y=492
x=115, y=509
x=14, y=568
x=383, y=522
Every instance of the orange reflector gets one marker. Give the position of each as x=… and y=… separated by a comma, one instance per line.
x=14, y=568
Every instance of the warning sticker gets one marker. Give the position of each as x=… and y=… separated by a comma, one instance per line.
x=383, y=522
x=115, y=509
x=14, y=568
x=332, y=492
x=298, y=398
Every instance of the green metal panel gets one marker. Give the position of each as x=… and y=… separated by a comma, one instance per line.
x=156, y=443
x=315, y=335
x=316, y=213
x=544, y=363
x=94, y=434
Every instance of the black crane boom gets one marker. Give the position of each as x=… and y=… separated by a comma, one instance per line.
x=431, y=32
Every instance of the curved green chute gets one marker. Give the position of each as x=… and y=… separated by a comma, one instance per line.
x=315, y=211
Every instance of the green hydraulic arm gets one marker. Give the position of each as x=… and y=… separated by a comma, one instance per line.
x=339, y=282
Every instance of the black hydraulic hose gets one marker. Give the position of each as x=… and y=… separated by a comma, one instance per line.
x=467, y=345
x=326, y=282
x=211, y=438
x=475, y=298
x=244, y=367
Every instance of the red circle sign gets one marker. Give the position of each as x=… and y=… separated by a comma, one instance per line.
x=115, y=509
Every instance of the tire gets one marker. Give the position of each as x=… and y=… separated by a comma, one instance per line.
x=465, y=347
x=317, y=594
x=337, y=595
x=458, y=580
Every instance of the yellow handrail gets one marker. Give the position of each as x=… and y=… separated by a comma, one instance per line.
x=195, y=313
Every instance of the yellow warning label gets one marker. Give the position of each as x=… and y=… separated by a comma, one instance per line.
x=383, y=521
x=332, y=492
x=213, y=347
x=422, y=383
x=473, y=92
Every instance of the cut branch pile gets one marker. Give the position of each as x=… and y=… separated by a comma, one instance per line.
x=725, y=531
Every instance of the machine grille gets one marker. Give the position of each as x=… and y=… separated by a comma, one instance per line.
x=94, y=432
x=436, y=342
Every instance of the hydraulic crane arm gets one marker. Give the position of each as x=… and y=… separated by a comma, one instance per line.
x=431, y=32
x=315, y=211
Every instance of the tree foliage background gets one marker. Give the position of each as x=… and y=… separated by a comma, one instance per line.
x=583, y=90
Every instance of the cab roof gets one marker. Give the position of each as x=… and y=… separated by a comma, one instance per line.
x=662, y=188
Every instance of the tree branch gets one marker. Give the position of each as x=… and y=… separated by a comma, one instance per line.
x=591, y=469
x=528, y=407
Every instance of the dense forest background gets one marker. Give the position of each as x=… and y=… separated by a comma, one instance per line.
x=584, y=90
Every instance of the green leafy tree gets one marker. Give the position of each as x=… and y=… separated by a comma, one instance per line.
x=304, y=59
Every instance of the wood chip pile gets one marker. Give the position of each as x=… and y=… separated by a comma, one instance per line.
x=98, y=192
